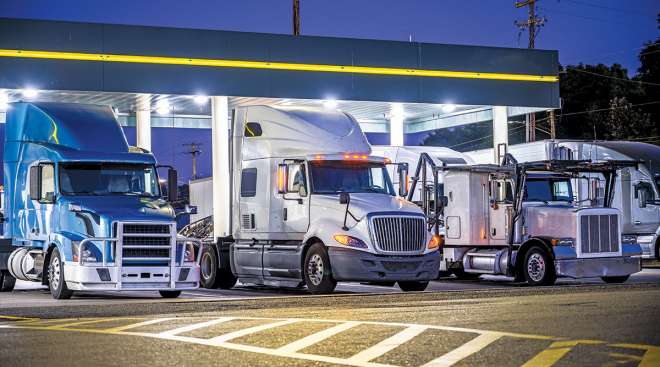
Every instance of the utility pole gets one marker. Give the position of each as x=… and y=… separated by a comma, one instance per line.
x=194, y=151
x=296, y=17
x=532, y=24
x=553, y=131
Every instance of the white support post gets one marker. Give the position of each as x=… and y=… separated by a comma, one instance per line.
x=500, y=132
x=396, y=125
x=143, y=122
x=220, y=158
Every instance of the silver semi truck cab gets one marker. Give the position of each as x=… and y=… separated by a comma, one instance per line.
x=521, y=220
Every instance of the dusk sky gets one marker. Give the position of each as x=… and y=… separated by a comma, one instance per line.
x=588, y=31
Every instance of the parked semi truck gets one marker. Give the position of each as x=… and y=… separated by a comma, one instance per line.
x=637, y=192
x=311, y=206
x=83, y=211
x=520, y=220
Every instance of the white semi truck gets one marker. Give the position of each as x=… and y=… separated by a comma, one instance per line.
x=311, y=206
x=637, y=192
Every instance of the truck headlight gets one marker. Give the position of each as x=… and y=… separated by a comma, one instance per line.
x=629, y=239
x=435, y=242
x=645, y=239
x=88, y=256
x=350, y=241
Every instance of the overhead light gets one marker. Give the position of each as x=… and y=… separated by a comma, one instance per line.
x=29, y=93
x=4, y=101
x=163, y=107
x=286, y=102
x=201, y=99
x=448, y=108
x=330, y=104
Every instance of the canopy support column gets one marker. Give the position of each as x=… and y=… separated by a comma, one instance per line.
x=220, y=158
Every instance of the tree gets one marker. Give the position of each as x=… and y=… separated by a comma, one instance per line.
x=649, y=72
x=625, y=122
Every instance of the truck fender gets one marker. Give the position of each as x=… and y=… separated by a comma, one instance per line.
x=47, y=254
x=522, y=250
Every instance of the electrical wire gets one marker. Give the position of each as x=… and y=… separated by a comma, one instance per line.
x=612, y=77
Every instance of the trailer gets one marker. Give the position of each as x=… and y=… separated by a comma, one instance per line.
x=637, y=192
x=520, y=220
x=310, y=205
x=83, y=211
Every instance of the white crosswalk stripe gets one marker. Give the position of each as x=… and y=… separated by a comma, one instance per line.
x=200, y=325
x=465, y=350
x=255, y=329
x=317, y=337
x=388, y=344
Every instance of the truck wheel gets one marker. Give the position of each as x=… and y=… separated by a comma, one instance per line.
x=225, y=279
x=614, y=280
x=58, y=288
x=7, y=281
x=208, y=268
x=317, y=270
x=538, y=267
x=413, y=286
x=169, y=294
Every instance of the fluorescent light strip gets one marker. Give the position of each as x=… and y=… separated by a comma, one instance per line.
x=273, y=65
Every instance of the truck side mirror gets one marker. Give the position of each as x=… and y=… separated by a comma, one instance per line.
x=282, y=177
x=344, y=198
x=35, y=183
x=444, y=201
x=172, y=188
x=402, y=170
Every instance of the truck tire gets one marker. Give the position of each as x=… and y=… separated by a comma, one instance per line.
x=538, y=268
x=413, y=286
x=169, y=294
x=7, y=282
x=58, y=288
x=226, y=279
x=208, y=268
x=614, y=280
x=317, y=270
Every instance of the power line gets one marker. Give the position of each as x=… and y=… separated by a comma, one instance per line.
x=609, y=21
x=586, y=3
x=612, y=77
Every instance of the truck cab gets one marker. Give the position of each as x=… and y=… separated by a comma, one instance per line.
x=312, y=206
x=83, y=210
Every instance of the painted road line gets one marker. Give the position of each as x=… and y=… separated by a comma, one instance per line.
x=138, y=324
x=239, y=333
x=465, y=350
x=555, y=352
x=388, y=344
x=92, y=321
x=651, y=356
x=317, y=337
x=196, y=326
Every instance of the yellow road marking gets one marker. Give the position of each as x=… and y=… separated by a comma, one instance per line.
x=223, y=63
x=200, y=325
x=19, y=318
x=138, y=324
x=651, y=356
x=92, y=321
x=627, y=357
x=555, y=352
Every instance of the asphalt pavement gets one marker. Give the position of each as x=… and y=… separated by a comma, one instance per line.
x=491, y=322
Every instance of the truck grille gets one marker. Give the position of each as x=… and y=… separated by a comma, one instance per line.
x=145, y=243
x=405, y=235
x=599, y=234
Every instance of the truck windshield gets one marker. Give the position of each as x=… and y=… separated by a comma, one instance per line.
x=108, y=179
x=548, y=190
x=334, y=177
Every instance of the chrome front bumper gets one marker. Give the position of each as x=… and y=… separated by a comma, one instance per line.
x=353, y=265
x=598, y=267
x=133, y=278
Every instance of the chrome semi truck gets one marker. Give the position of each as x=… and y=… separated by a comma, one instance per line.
x=521, y=220
x=637, y=192
x=310, y=205
x=83, y=211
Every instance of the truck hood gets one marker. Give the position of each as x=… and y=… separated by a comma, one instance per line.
x=363, y=204
x=102, y=211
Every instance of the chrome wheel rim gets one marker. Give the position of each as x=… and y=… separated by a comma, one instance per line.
x=536, y=267
x=55, y=270
x=315, y=269
x=206, y=266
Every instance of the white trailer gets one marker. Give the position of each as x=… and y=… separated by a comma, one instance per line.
x=637, y=193
x=310, y=205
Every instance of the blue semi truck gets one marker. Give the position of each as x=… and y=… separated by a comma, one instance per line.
x=83, y=211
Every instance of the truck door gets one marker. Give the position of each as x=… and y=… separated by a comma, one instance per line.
x=247, y=254
x=282, y=257
x=42, y=196
x=500, y=200
x=645, y=216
